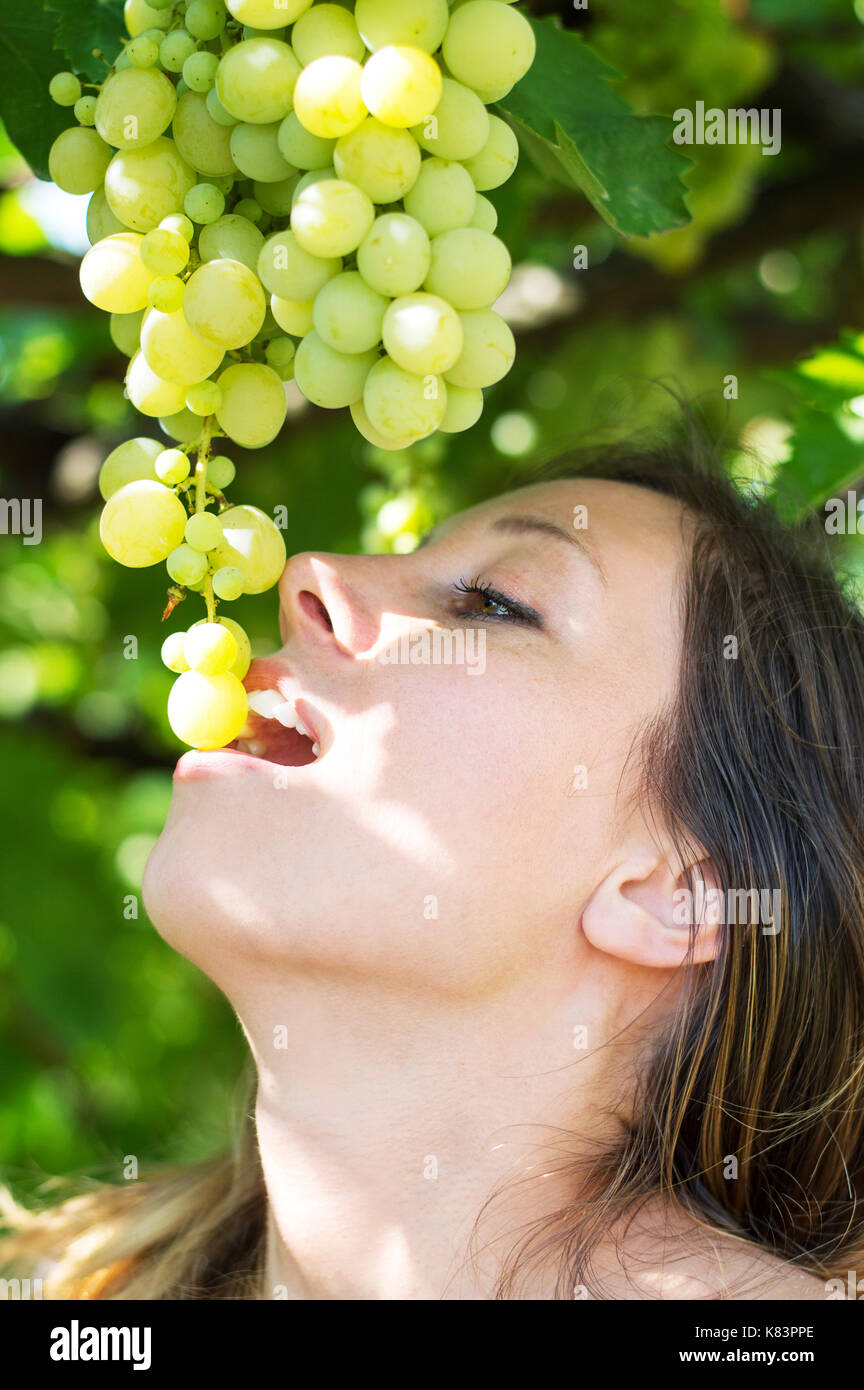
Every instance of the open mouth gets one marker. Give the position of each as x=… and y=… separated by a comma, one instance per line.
x=276, y=732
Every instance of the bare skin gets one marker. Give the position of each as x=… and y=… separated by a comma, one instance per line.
x=413, y=929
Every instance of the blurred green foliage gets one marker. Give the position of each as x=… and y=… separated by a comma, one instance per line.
x=111, y=1044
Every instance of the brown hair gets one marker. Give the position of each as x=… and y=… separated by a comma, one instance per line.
x=758, y=763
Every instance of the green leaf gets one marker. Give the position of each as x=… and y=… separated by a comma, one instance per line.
x=84, y=26
x=827, y=457
x=582, y=132
x=27, y=64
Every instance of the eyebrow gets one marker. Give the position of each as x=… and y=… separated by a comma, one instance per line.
x=519, y=525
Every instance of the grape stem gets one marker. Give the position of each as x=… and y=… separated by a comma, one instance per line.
x=201, y=502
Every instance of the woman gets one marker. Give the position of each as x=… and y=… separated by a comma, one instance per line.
x=551, y=963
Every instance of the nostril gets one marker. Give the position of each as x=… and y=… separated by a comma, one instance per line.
x=314, y=608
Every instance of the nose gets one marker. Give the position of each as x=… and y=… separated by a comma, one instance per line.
x=335, y=601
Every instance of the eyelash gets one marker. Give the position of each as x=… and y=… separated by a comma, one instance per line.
x=520, y=614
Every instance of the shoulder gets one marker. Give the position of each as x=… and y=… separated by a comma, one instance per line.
x=663, y=1254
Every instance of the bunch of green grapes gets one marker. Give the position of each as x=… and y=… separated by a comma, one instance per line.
x=285, y=189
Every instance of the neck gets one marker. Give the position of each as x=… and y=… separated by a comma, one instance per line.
x=385, y=1123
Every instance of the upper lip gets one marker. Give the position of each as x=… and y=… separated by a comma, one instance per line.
x=272, y=673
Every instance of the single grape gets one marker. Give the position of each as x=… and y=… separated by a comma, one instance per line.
x=204, y=203
x=285, y=269
x=131, y=462
x=145, y=185
x=331, y=218
x=243, y=660
x=138, y=16
x=280, y=356
x=327, y=97
x=204, y=398
x=113, y=276
x=217, y=111
x=348, y=313
x=412, y=23
x=203, y=142
x=231, y=238
x=443, y=196
x=220, y=472
x=276, y=198
x=255, y=151
x=401, y=85
x=485, y=214
x=394, y=255
x=149, y=393
x=142, y=523
x=225, y=303
x=207, y=712
x=199, y=71
x=175, y=49
x=182, y=426
x=310, y=177
x=488, y=45
x=256, y=78
x=203, y=532
x=382, y=161
x=166, y=294
x=401, y=403
x=175, y=352
x=125, y=330
x=328, y=378
x=172, y=467
x=172, y=652
x=464, y=408
x=494, y=164
x=252, y=543
x=459, y=127
x=469, y=268
x=250, y=209
x=228, y=583
x=64, y=88
x=143, y=52
x=178, y=222
x=101, y=221
x=325, y=30
x=205, y=19
x=487, y=353
x=302, y=149
x=186, y=565
x=253, y=405
x=267, y=14
x=294, y=315
x=365, y=427
x=422, y=333
x=85, y=110
x=164, y=252
x=78, y=160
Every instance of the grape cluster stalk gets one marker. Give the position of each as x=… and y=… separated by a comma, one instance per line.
x=284, y=189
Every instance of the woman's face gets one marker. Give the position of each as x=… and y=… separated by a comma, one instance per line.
x=458, y=815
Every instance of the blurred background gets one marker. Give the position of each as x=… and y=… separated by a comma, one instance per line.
x=109, y=1043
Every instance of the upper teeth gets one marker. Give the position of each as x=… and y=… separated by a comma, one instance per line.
x=271, y=705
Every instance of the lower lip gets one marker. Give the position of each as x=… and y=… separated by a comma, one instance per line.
x=222, y=762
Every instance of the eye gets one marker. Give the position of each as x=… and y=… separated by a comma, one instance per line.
x=494, y=606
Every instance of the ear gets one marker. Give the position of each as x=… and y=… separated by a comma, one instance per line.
x=642, y=911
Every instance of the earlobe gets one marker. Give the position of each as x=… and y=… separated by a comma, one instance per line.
x=642, y=912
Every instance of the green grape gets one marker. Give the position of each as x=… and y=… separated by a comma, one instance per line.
x=203, y=532
x=327, y=96
x=285, y=269
x=172, y=652
x=220, y=472
x=125, y=330
x=422, y=333
x=207, y=712
x=280, y=356
x=210, y=648
x=204, y=398
x=78, y=159
x=182, y=426
x=204, y=203
x=253, y=405
x=443, y=197
x=252, y=543
x=217, y=110
x=138, y=16
x=64, y=88
x=224, y=303
x=256, y=78
x=328, y=378
x=498, y=157
x=296, y=316
x=394, y=255
x=267, y=14
x=382, y=161
x=228, y=583
x=166, y=294
x=134, y=107
x=250, y=209
x=113, y=276
x=172, y=467
x=231, y=238
x=101, y=221
x=164, y=252
x=175, y=352
x=85, y=110
x=178, y=222
x=276, y=198
x=413, y=23
x=402, y=404
x=401, y=85
x=175, y=49
x=202, y=142
x=312, y=176
x=348, y=313
x=143, y=52
x=142, y=523
x=459, y=127
x=224, y=183
x=149, y=393
x=243, y=660
x=464, y=408
x=469, y=268
x=143, y=186
x=367, y=429
x=325, y=30
x=488, y=351
x=186, y=566
x=331, y=218
x=488, y=45
x=199, y=71
x=302, y=149
x=205, y=19
x=485, y=215
x=132, y=461
x=255, y=151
